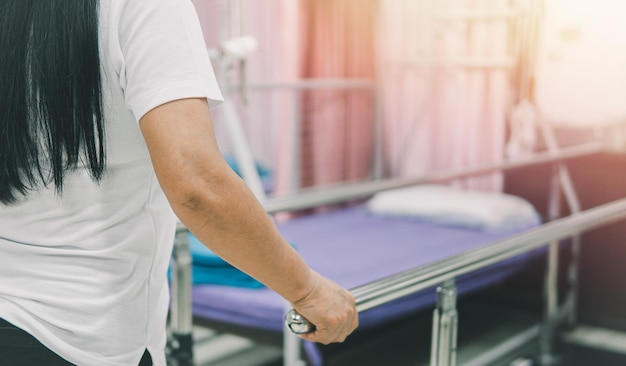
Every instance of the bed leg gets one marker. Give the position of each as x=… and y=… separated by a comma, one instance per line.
x=445, y=323
x=291, y=346
x=551, y=308
x=180, y=342
x=180, y=350
x=572, y=295
x=551, y=299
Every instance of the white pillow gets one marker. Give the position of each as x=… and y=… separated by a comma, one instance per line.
x=487, y=211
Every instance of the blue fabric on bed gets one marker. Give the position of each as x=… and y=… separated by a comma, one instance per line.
x=208, y=268
x=261, y=169
x=223, y=276
x=203, y=256
x=265, y=174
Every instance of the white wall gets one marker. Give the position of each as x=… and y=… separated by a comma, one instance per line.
x=581, y=71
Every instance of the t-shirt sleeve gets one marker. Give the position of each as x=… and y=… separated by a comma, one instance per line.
x=164, y=55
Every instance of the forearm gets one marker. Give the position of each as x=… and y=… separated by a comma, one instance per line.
x=226, y=216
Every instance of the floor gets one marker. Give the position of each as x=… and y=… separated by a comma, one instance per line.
x=407, y=342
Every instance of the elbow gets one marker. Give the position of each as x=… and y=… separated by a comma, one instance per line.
x=199, y=196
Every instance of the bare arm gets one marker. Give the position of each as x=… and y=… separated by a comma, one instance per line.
x=217, y=206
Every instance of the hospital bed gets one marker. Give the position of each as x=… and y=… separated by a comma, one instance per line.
x=389, y=284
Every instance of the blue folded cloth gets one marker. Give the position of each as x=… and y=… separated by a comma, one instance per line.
x=225, y=276
x=203, y=256
x=209, y=268
x=264, y=173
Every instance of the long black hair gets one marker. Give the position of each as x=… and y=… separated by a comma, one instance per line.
x=51, y=113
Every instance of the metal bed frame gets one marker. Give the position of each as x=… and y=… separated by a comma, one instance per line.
x=442, y=273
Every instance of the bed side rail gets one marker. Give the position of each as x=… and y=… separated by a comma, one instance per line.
x=411, y=281
x=316, y=197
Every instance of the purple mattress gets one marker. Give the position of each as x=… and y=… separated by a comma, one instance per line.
x=355, y=247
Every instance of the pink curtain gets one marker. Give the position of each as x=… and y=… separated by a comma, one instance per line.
x=337, y=41
x=443, y=109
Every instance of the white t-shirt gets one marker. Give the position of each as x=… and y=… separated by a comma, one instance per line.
x=86, y=273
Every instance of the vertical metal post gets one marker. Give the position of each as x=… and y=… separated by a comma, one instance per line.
x=445, y=324
x=551, y=300
x=291, y=346
x=561, y=179
x=296, y=143
x=572, y=277
x=241, y=148
x=180, y=343
x=379, y=132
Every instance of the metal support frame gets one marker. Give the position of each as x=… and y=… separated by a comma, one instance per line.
x=314, y=197
x=571, y=298
x=394, y=287
x=414, y=280
x=445, y=325
x=292, y=347
x=445, y=271
x=551, y=301
x=561, y=184
x=180, y=340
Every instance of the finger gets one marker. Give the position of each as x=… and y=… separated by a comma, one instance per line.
x=313, y=337
x=320, y=336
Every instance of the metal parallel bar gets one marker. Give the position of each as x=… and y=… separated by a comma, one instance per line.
x=295, y=144
x=340, y=193
x=180, y=344
x=414, y=280
x=564, y=312
x=181, y=283
x=604, y=339
x=470, y=63
x=291, y=347
x=572, y=277
x=554, y=315
x=478, y=15
x=575, y=207
x=551, y=301
x=379, y=133
x=563, y=173
x=445, y=326
x=325, y=83
x=491, y=356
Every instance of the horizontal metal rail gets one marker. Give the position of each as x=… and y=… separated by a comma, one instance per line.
x=394, y=287
x=480, y=15
x=325, y=83
x=468, y=63
x=306, y=199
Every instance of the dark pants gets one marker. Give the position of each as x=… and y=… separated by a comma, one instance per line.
x=18, y=348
